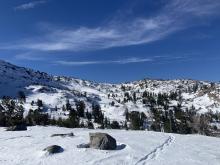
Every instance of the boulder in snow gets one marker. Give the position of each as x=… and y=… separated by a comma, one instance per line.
x=54, y=149
x=102, y=141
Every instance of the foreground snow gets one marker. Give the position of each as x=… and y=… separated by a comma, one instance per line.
x=134, y=147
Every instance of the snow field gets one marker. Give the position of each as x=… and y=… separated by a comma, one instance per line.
x=134, y=147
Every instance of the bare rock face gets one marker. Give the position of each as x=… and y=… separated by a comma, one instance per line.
x=54, y=149
x=102, y=141
x=19, y=127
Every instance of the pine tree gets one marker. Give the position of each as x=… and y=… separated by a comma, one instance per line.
x=80, y=107
x=68, y=105
x=125, y=125
x=195, y=87
x=136, y=123
x=97, y=114
x=73, y=120
x=88, y=115
x=145, y=94
x=134, y=97
x=106, y=122
x=126, y=114
x=115, y=125
x=39, y=103
x=90, y=125
x=21, y=96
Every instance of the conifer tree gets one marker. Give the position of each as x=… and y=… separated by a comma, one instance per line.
x=80, y=107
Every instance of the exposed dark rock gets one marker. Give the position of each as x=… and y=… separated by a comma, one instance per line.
x=83, y=145
x=102, y=141
x=46, y=90
x=63, y=135
x=54, y=149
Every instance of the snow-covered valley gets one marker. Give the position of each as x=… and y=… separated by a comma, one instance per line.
x=134, y=147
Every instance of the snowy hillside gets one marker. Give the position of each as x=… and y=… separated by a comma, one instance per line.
x=134, y=148
x=114, y=99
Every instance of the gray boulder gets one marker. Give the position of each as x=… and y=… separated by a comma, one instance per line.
x=54, y=149
x=102, y=141
x=19, y=127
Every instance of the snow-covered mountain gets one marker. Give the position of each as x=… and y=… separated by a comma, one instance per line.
x=114, y=99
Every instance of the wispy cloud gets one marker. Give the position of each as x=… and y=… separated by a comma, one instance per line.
x=176, y=15
x=29, y=56
x=29, y=5
x=154, y=59
x=121, y=61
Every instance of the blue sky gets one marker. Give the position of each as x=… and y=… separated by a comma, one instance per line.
x=113, y=40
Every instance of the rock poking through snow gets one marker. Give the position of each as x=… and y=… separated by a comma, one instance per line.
x=63, y=135
x=54, y=149
x=83, y=145
x=102, y=141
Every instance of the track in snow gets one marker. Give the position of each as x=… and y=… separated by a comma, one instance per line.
x=115, y=155
x=156, y=152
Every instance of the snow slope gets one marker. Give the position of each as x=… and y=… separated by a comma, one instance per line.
x=55, y=90
x=134, y=148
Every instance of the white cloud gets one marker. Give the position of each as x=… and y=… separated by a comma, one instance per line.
x=30, y=56
x=155, y=59
x=175, y=16
x=29, y=5
x=121, y=61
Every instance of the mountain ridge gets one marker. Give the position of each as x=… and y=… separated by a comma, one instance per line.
x=114, y=99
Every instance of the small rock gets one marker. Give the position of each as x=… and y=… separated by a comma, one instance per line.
x=102, y=141
x=63, y=135
x=83, y=145
x=54, y=149
x=19, y=127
